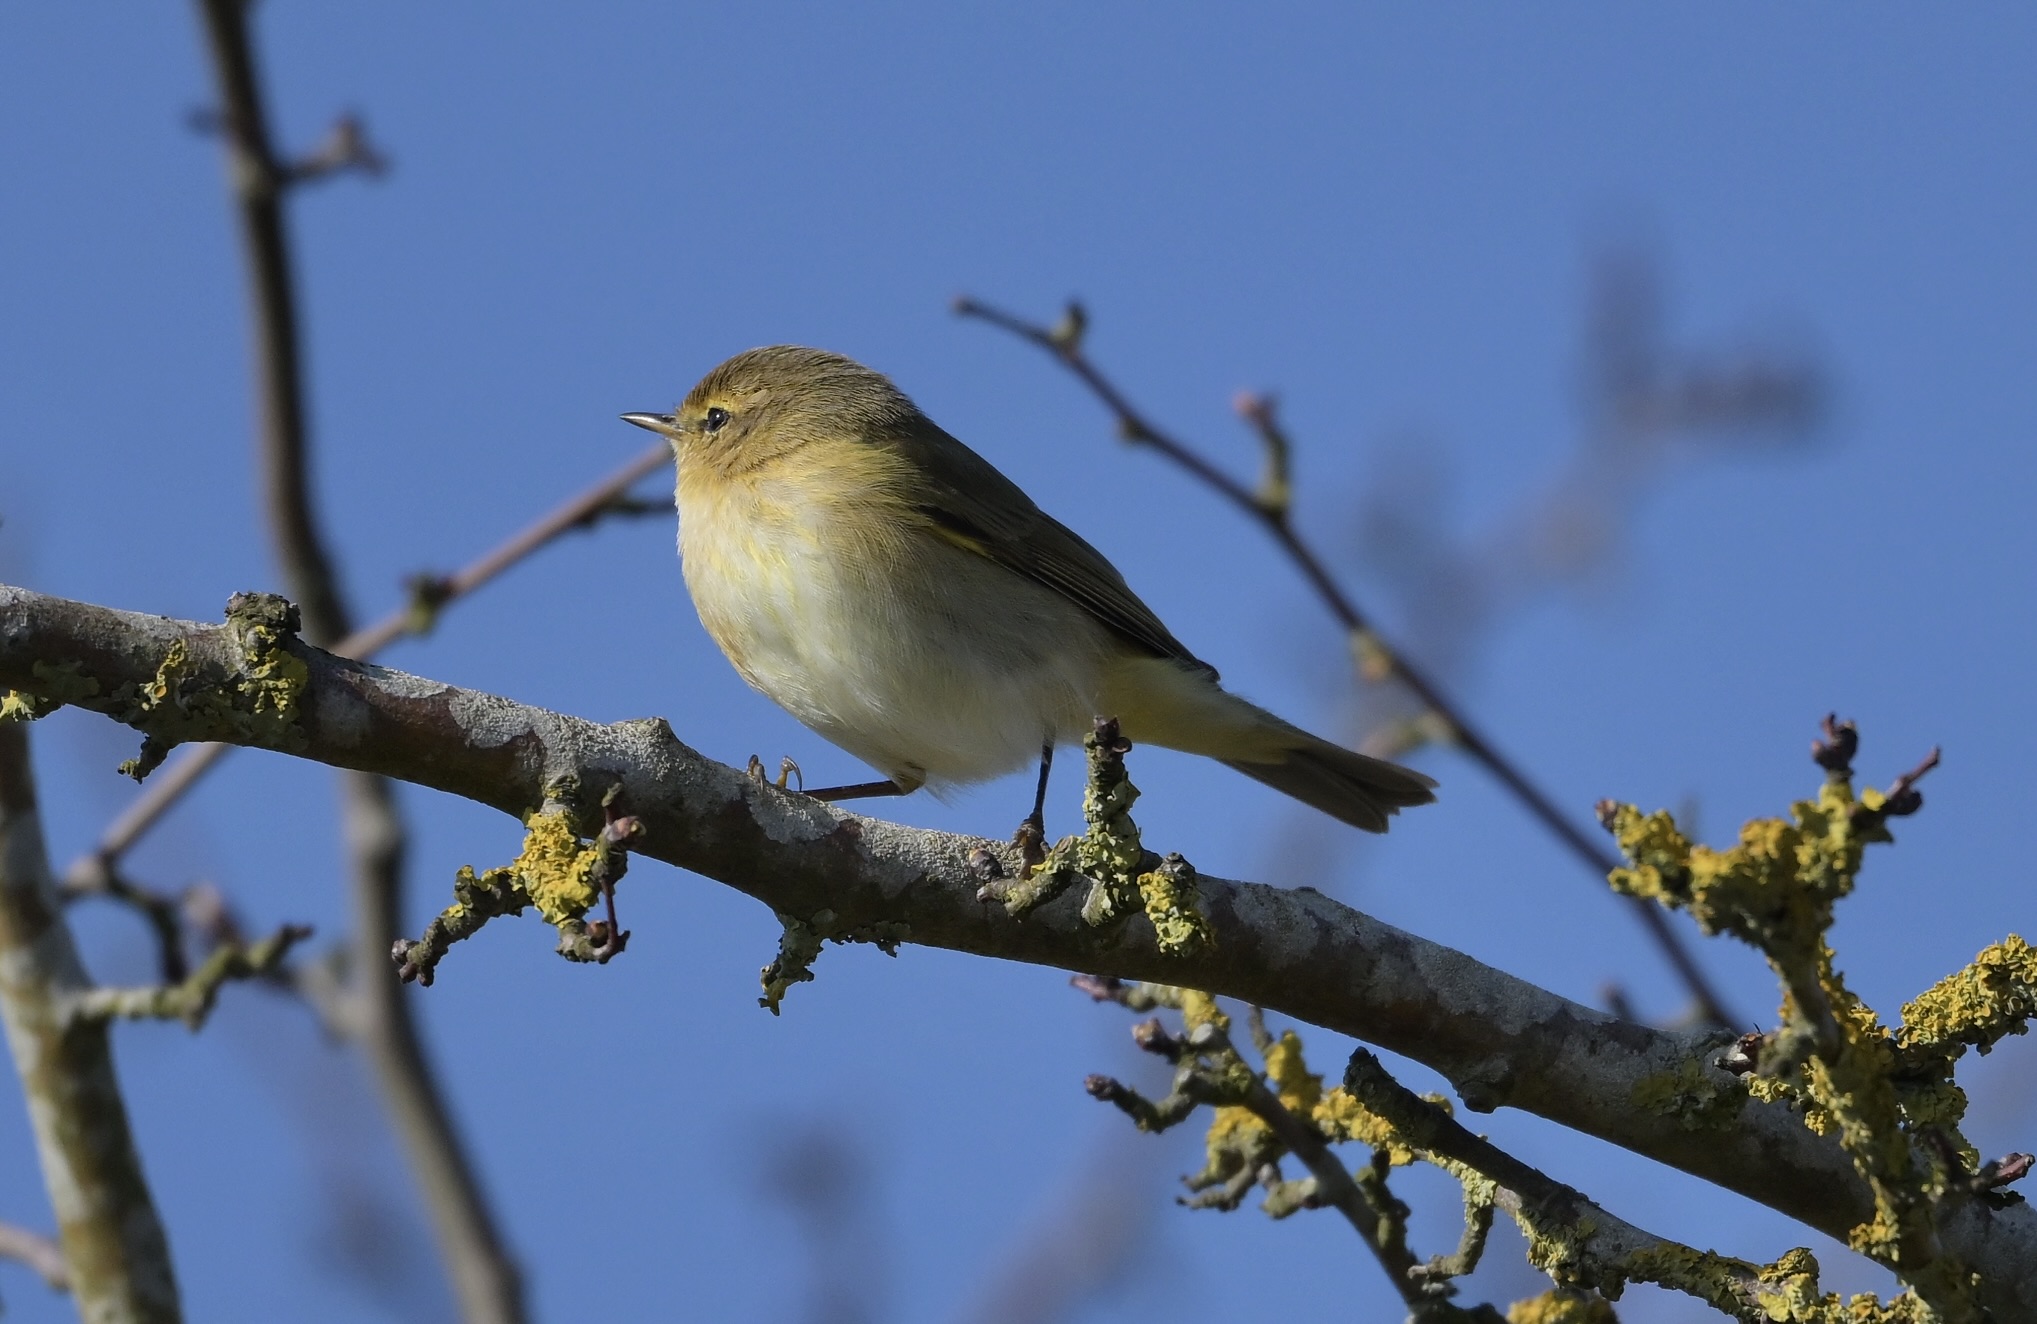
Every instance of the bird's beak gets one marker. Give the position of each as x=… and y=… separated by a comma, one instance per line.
x=667, y=424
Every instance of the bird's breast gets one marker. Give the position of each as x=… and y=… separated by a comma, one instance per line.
x=774, y=558
x=830, y=593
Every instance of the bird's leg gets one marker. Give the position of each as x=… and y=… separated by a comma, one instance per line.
x=860, y=791
x=1031, y=836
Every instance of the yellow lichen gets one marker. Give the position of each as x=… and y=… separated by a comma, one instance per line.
x=1199, y=1008
x=800, y=942
x=555, y=871
x=273, y=678
x=56, y=684
x=555, y=868
x=1340, y=1116
x=1299, y=1088
x=1236, y=1146
x=256, y=702
x=1563, y=1251
x=1993, y=997
x=1169, y=895
x=1561, y=1306
x=798, y=945
x=18, y=707
x=1110, y=855
x=1699, y=1100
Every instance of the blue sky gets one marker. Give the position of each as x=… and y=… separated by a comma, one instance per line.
x=1388, y=214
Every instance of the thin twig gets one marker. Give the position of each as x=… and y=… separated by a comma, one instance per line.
x=192, y=999
x=485, y=1278
x=164, y=913
x=38, y=1252
x=1270, y=509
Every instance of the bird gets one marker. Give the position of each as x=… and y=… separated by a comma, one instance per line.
x=903, y=599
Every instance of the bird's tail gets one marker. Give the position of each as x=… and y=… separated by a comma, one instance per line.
x=1165, y=703
x=1357, y=788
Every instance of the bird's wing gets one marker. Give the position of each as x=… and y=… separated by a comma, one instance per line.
x=975, y=507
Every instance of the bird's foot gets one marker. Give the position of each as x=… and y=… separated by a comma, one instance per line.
x=1031, y=841
x=787, y=770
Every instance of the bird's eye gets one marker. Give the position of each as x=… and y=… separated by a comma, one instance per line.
x=715, y=418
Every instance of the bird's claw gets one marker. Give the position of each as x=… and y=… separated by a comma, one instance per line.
x=787, y=770
x=1030, y=841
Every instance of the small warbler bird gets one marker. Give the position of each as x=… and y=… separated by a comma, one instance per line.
x=901, y=597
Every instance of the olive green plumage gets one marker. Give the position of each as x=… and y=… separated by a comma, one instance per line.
x=900, y=596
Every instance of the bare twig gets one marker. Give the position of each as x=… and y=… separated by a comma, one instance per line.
x=484, y=1277
x=38, y=1252
x=191, y=1000
x=260, y=178
x=164, y=913
x=113, y=1243
x=1270, y=508
x=345, y=148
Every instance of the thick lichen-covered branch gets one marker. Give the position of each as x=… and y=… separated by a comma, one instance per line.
x=1259, y=1117
x=1500, y=1041
x=258, y=698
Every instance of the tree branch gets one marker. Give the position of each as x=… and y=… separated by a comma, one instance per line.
x=260, y=179
x=1499, y=1040
x=1574, y=1235
x=191, y=1000
x=113, y=1242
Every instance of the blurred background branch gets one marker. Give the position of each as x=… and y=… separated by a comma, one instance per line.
x=117, y=1257
x=39, y=1253
x=821, y=1173
x=483, y=1273
x=1645, y=404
